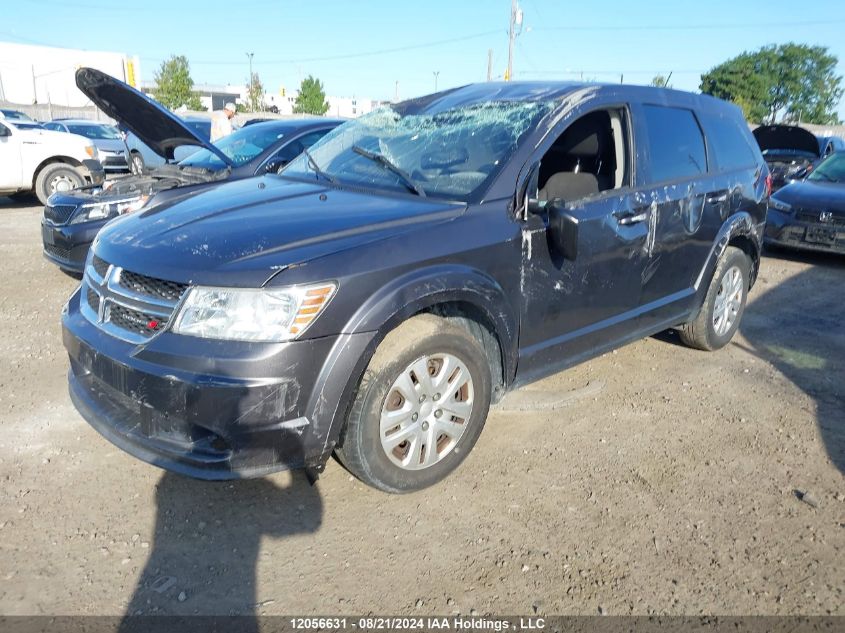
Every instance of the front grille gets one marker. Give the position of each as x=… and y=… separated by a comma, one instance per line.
x=60, y=213
x=152, y=287
x=128, y=305
x=812, y=217
x=101, y=266
x=57, y=251
x=93, y=300
x=135, y=321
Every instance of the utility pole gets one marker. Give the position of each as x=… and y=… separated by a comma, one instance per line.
x=511, y=38
x=251, y=97
x=489, y=64
x=396, y=93
x=436, y=74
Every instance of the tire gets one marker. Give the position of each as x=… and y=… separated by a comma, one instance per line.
x=136, y=163
x=714, y=327
x=56, y=177
x=439, y=347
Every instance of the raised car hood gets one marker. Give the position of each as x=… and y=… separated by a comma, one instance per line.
x=240, y=233
x=151, y=122
x=816, y=196
x=786, y=137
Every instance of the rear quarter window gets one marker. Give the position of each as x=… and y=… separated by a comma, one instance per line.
x=675, y=142
x=730, y=142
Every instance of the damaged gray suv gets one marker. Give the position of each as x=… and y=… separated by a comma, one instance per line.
x=377, y=295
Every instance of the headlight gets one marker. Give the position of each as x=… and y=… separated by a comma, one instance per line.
x=111, y=208
x=780, y=205
x=252, y=314
x=91, y=151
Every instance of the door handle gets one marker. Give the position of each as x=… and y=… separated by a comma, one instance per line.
x=716, y=198
x=627, y=218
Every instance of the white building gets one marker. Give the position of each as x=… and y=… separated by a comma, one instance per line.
x=342, y=107
x=44, y=74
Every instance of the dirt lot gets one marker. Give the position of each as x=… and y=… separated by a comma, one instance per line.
x=667, y=485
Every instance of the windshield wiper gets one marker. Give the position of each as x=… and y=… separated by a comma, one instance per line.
x=385, y=162
x=316, y=168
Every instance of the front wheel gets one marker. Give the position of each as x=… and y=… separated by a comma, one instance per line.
x=420, y=407
x=56, y=177
x=136, y=165
x=724, y=304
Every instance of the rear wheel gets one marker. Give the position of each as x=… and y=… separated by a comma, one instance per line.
x=724, y=304
x=56, y=177
x=420, y=407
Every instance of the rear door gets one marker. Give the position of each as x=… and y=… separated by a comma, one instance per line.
x=685, y=205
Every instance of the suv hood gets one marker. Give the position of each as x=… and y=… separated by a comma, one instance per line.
x=241, y=233
x=161, y=130
x=786, y=137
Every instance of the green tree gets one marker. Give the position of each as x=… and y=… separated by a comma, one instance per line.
x=311, y=98
x=660, y=81
x=786, y=82
x=174, y=86
x=255, y=94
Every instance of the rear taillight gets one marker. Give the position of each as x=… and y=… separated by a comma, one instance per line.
x=768, y=185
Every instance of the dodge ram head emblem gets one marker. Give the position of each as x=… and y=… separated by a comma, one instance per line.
x=825, y=216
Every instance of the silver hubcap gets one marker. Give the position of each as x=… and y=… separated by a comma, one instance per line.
x=426, y=411
x=62, y=183
x=728, y=301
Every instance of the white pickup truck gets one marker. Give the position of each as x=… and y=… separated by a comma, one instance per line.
x=44, y=162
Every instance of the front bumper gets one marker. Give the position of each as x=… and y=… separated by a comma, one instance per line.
x=213, y=409
x=784, y=230
x=67, y=245
x=93, y=172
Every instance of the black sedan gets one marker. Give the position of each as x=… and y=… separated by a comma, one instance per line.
x=810, y=214
x=72, y=220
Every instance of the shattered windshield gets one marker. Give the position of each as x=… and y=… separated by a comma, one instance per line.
x=448, y=154
x=241, y=146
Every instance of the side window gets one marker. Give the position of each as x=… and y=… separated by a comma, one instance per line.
x=730, y=143
x=294, y=148
x=54, y=126
x=676, y=143
x=590, y=156
x=309, y=139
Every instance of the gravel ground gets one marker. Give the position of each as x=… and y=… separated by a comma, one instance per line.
x=671, y=483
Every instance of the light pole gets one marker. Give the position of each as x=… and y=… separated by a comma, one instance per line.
x=251, y=96
x=436, y=75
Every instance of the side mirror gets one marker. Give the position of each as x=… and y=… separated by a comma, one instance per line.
x=563, y=230
x=4, y=131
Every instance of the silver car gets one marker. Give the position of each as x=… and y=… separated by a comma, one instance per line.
x=107, y=139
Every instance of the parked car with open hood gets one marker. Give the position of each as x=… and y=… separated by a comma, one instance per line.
x=39, y=161
x=71, y=221
x=374, y=297
x=107, y=138
x=810, y=214
x=788, y=150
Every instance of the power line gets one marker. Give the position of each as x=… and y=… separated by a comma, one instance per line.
x=329, y=58
x=685, y=27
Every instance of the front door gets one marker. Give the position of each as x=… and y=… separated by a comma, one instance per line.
x=10, y=158
x=574, y=306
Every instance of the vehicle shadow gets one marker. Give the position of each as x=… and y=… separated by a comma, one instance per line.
x=19, y=202
x=797, y=326
x=205, y=547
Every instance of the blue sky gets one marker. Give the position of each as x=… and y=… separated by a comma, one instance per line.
x=337, y=40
